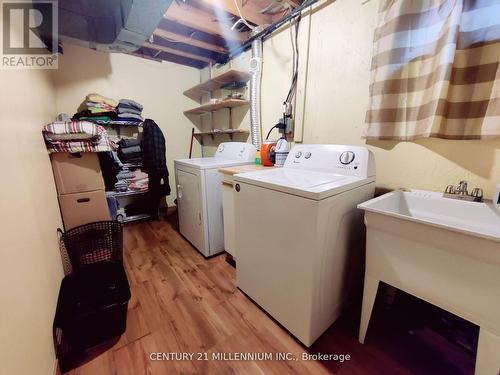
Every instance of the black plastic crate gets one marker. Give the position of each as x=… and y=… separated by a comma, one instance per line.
x=92, y=308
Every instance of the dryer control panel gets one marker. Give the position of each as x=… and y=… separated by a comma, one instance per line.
x=339, y=159
x=236, y=151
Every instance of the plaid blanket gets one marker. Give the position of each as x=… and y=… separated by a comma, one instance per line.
x=75, y=131
x=70, y=131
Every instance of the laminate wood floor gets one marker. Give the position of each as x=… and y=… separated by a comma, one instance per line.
x=183, y=303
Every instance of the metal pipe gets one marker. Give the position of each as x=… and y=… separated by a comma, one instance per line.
x=270, y=29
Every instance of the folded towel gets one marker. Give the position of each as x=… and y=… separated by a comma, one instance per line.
x=130, y=150
x=99, y=105
x=128, y=109
x=88, y=113
x=129, y=116
x=139, y=186
x=128, y=142
x=70, y=131
x=100, y=144
x=124, y=175
x=100, y=99
x=94, y=110
x=139, y=175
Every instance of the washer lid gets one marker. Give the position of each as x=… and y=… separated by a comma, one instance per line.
x=209, y=163
x=307, y=184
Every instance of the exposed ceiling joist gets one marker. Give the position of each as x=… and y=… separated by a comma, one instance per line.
x=294, y=3
x=204, y=21
x=140, y=53
x=169, y=35
x=178, y=52
x=249, y=9
x=154, y=54
x=188, y=48
x=198, y=32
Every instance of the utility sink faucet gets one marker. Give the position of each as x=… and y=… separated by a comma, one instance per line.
x=460, y=192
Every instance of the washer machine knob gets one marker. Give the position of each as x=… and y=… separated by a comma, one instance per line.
x=307, y=155
x=347, y=157
x=298, y=154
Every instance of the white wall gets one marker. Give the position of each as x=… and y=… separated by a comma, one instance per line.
x=157, y=86
x=336, y=98
x=30, y=264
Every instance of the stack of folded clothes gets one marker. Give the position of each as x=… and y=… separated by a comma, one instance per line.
x=128, y=180
x=130, y=151
x=76, y=136
x=97, y=108
x=129, y=112
x=139, y=182
x=123, y=178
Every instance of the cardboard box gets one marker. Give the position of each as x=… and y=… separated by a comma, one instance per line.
x=74, y=173
x=83, y=208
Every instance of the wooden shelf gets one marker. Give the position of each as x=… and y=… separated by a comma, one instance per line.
x=216, y=83
x=128, y=193
x=228, y=103
x=222, y=132
x=129, y=219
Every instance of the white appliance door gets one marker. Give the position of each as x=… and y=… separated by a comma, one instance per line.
x=189, y=203
x=275, y=241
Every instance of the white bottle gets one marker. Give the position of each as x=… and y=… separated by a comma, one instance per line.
x=281, y=152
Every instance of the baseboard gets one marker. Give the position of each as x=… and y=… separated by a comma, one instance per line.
x=57, y=370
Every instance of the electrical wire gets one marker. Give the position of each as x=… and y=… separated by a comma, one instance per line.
x=270, y=130
x=242, y=19
x=295, y=59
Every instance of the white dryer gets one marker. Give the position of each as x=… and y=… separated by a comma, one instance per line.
x=199, y=194
x=299, y=237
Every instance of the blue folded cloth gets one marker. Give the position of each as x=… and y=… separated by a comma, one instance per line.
x=128, y=116
x=128, y=109
x=130, y=103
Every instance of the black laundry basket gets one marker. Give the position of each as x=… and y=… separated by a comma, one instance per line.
x=100, y=241
x=93, y=299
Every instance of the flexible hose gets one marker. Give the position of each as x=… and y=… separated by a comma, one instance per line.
x=255, y=82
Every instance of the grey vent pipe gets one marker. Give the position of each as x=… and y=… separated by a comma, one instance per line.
x=255, y=81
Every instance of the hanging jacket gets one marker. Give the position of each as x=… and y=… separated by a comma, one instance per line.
x=154, y=161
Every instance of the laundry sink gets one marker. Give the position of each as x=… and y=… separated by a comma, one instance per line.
x=442, y=250
x=477, y=219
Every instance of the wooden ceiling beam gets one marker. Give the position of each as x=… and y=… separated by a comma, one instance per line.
x=178, y=52
x=152, y=54
x=181, y=29
x=250, y=9
x=204, y=21
x=188, y=48
x=294, y=3
x=169, y=35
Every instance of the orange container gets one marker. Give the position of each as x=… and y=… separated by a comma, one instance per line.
x=267, y=153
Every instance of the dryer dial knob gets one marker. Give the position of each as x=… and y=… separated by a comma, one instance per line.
x=347, y=157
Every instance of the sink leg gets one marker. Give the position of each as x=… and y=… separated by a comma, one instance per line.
x=488, y=353
x=369, y=294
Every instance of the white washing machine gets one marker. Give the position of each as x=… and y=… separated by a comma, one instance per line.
x=199, y=194
x=299, y=237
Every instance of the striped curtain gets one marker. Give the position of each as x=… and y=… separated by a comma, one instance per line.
x=435, y=70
